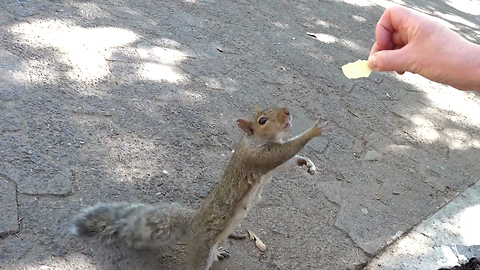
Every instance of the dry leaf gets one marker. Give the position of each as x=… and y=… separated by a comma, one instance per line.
x=260, y=245
x=251, y=235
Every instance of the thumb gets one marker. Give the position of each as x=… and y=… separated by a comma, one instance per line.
x=389, y=60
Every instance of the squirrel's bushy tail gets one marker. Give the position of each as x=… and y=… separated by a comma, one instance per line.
x=138, y=225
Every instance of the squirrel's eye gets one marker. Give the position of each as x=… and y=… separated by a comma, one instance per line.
x=262, y=120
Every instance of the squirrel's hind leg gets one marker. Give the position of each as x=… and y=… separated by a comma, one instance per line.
x=222, y=253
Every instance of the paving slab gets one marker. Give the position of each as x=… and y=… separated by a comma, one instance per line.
x=41, y=179
x=446, y=239
x=8, y=211
x=137, y=100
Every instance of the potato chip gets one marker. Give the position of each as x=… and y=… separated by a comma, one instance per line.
x=356, y=69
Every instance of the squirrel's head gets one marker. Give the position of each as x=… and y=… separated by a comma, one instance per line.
x=271, y=124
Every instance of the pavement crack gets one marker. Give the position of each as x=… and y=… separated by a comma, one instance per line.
x=349, y=237
x=228, y=71
x=317, y=153
x=47, y=195
x=19, y=220
x=392, y=112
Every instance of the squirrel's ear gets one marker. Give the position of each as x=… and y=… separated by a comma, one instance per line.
x=245, y=125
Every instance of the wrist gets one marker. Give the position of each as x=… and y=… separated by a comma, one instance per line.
x=472, y=68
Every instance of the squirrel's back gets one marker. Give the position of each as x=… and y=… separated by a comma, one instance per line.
x=137, y=225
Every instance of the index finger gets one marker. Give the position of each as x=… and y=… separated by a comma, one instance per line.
x=390, y=22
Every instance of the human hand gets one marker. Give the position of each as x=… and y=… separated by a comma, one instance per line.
x=407, y=40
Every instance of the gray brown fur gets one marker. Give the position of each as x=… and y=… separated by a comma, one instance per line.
x=256, y=155
x=260, y=152
x=137, y=225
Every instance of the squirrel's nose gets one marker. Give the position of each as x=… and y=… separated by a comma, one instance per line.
x=286, y=111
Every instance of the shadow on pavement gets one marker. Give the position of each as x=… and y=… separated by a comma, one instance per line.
x=136, y=101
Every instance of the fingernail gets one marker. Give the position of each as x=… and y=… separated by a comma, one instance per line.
x=372, y=62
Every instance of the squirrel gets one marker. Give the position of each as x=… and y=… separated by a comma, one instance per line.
x=260, y=153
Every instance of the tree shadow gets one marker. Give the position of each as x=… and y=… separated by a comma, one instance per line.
x=136, y=101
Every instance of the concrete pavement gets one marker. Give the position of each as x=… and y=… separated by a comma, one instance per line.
x=136, y=101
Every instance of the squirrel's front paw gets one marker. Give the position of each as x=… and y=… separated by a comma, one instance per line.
x=308, y=163
x=325, y=126
x=321, y=127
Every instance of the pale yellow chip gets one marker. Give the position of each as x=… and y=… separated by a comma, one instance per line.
x=260, y=245
x=356, y=69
